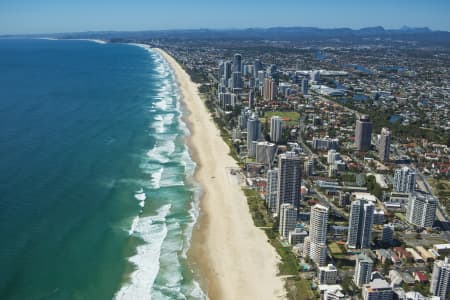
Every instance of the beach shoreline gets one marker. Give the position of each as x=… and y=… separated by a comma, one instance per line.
x=231, y=256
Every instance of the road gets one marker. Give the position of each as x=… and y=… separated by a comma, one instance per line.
x=441, y=214
x=304, y=145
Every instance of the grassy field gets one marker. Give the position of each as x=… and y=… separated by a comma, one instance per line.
x=289, y=117
x=441, y=189
x=335, y=249
x=400, y=216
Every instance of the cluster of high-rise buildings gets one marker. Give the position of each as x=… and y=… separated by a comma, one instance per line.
x=284, y=167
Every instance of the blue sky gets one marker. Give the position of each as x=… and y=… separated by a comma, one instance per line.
x=47, y=16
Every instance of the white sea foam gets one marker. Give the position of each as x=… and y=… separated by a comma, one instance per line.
x=140, y=196
x=133, y=225
x=153, y=230
x=162, y=151
x=162, y=121
x=156, y=178
x=171, y=252
x=88, y=40
x=172, y=176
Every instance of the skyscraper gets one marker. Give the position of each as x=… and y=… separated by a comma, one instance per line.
x=363, y=269
x=251, y=99
x=440, y=280
x=271, y=192
x=253, y=134
x=421, y=210
x=226, y=75
x=288, y=219
x=276, y=129
x=289, y=179
x=269, y=89
x=237, y=63
x=305, y=86
x=360, y=224
x=404, y=180
x=265, y=153
x=236, y=80
x=384, y=144
x=257, y=67
x=363, y=133
x=318, y=223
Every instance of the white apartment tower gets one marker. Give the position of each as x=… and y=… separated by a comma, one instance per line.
x=318, y=223
x=276, y=129
x=289, y=179
x=421, y=210
x=328, y=274
x=440, y=280
x=384, y=144
x=288, y=219
x=363, y=270
x=360, y=224
x=272, y=188
x=404, y=180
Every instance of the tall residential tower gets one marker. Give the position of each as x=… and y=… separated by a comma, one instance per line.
x=360, y=224
x=363, y=133
x=289, y=179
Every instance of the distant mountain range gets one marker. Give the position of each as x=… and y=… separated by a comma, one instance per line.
x=421, y=35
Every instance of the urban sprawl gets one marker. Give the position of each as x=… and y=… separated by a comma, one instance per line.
x=344, y=159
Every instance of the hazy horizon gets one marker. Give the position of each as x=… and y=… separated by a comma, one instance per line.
x=46, y=17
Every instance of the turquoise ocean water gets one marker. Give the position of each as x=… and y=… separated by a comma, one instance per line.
x=97, y=199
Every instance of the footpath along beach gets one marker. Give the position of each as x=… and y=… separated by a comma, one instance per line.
x=232, y=256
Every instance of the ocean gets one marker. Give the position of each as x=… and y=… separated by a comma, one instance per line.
x=97, y=197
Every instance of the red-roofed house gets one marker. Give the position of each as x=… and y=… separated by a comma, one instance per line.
x=403, y=254
x=420, y=277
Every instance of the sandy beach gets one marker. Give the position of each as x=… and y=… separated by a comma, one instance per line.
x=232, y=256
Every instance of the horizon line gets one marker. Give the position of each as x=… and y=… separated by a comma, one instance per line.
x=406, y=27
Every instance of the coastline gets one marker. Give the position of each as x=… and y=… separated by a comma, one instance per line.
x=231, y=254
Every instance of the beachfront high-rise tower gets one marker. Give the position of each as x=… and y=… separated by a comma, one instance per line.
x=272, y=190
x=318, y=224
x=276, y=129
x=360, y=224
x=253, y=134
x=363, y=133
x=288, y=219
x=289, y=179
